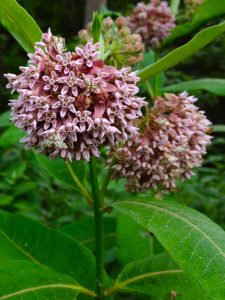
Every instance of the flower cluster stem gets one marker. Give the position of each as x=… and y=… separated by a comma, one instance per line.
x=99, y=229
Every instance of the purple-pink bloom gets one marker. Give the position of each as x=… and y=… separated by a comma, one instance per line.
x=68, y=102
x=171, y=142
x=154, y=22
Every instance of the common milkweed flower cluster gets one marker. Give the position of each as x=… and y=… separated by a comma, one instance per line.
x=123, y=47
x=192, y=5
x=154, y=22
x=171, y=142
x=70, y=103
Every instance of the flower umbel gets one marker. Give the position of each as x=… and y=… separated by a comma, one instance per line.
x=171, y=142
x=122, y=47
x=191, y=6
x=71, y=102
x=154, y=22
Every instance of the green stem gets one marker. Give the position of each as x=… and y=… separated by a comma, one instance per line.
x=80, y=186
x=107, y=177
x=99, y=229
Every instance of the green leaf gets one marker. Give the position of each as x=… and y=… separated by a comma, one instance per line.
x=212, y=85
x=199, y=41
x=58, y=169
x=5, y=199
x=207, y=11
x=157, y=276
x=174, y=6
x=5, y=119
x=84, y=231
x=218, y=128
x=24, y=187
x=195, y=243
x=10, y=137
x=32, y=281
x=134, y=237
x=20, y=24
x=96, y=28
x=24, y=239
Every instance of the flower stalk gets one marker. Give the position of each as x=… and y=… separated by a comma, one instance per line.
x=99, y=229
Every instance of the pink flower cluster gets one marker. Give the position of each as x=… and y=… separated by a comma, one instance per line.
x=70, y=102
x=171, y=142
x=191, y=6
x=154, y=22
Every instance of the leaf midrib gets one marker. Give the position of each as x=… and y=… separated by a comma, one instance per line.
x=28, y=255
x=49, y=286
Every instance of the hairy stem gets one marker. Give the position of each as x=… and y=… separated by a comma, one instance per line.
x=99, y=229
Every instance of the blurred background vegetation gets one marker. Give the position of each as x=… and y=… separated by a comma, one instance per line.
x=27, y=188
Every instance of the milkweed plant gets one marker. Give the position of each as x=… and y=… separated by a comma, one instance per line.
x=106, y=104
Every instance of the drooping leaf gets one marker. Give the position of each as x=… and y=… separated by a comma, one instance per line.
x=199, y=41
x=22, y=238
x=205, y=12
x=20, y=24
x=25, y=280
x=84, y=231
x=158, y=276
x=58, y=169
x=195, y=243
x=212, y=85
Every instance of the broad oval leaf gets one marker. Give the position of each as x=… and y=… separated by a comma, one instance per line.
x=22, y=238
x=195, y=243
x=199, y=41
x=32, y=281
x=20, y=24
x=212, y=85
x=207, y=11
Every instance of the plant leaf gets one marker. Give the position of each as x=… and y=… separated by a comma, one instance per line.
x=212, y=85
x=34, y=281
x=5, y=119
x=134, y=237
x=58, y=169
x=218, y=128
x=205, y=12
x=157, y=276
x=10, y=136
x=96, y=27
x=25, y=239
x=20, y=24
x=195, y=243
x=199, y=41
x=84, y=231
x=174, y=6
